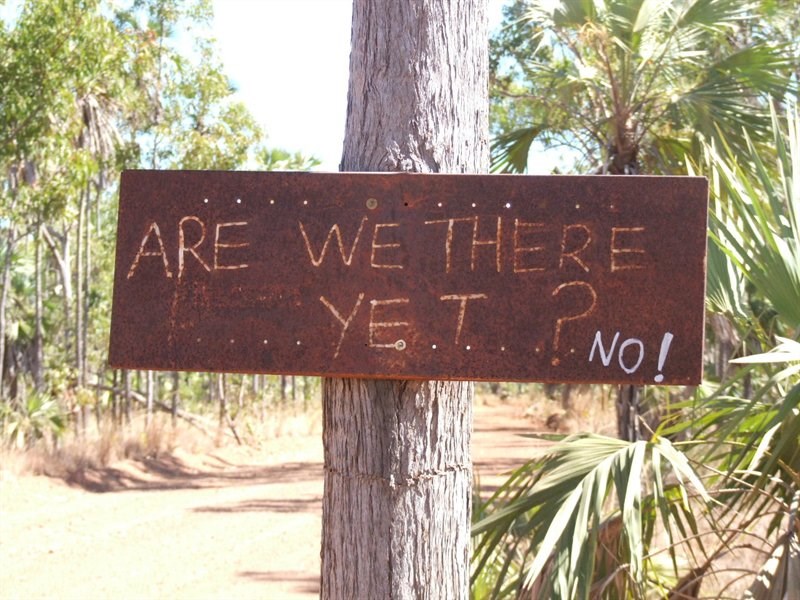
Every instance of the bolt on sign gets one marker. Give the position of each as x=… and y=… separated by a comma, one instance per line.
x=479, y=277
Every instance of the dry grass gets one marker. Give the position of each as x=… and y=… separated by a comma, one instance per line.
x=105, y=444
x=565, y=410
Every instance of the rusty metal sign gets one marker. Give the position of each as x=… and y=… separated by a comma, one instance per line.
x=509, y=278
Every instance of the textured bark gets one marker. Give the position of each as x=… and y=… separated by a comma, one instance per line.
x=396, y=510
x=629, y=398
x=418, y=95
x=37, y=365
x=397, y=489
x=5, y=283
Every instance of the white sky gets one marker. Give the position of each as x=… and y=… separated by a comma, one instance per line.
x=289, y=60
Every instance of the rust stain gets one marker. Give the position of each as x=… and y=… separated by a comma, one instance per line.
x=508, y=278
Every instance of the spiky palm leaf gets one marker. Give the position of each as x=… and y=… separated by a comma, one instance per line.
x=548, y=524
x=634, y=81
x=563, y=504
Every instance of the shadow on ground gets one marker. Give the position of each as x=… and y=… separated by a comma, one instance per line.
x=286, y=505
x=303, y=583
x=170, y=473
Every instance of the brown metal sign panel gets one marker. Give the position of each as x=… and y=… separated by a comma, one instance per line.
x=509, y=278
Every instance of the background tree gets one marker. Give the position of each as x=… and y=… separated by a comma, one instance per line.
x=710, y=501
x=632, y=86
x=91, y=87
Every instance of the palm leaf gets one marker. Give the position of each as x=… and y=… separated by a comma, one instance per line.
x=510, y=152
x=779, y=575
x=563, y=510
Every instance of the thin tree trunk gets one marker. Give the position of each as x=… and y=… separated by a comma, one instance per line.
x=176, y=380
x=223, y=401
x=398, y=474
x=79, y=266
x=38, y=329
x=62, y=261
x=224, y=415
x=126, y=385
x=150, y=395
x=240, y=396
x=115, y=412
x=87, y=274
x=6, y=282
x=628, y=411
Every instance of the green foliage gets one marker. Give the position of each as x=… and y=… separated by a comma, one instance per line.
x=563, y=512
x=602, y=518
x=629, y=85
x=756, y=221
x=277, y=159
x=30, y=421
x=87, y=88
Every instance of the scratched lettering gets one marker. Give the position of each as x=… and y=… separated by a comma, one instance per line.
x=183, y=248
x=384, y=247
x=376, y=326
x=335, y=231
x=496, y=241
x=218, y=244
x=345, y=322
x=153, y=230
x=462, y=299
x=412, y=276
x=628, y=256
x=524, y=230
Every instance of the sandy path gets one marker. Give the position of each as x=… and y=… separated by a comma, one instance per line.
x=234, y=524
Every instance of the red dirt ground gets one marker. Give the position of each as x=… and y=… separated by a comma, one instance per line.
x=235, y=523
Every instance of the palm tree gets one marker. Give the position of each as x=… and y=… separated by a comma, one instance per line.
x=604, y=518
x=631, y=86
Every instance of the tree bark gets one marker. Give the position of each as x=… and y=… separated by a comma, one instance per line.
x=176, y=384
x=6, y=283
x=628, y=413
x=398, y=474
x=79, y=270
x=150, y=394
x=62, y=258
x=126, y=387
x=38, y=329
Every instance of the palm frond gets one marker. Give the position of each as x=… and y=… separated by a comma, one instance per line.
x=510, y=152
x=758, y=227
x=565, y=507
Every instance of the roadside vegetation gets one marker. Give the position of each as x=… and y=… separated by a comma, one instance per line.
x=705, y=504
x=89, y=88
x=700, y=500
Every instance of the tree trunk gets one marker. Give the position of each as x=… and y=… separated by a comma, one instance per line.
x=628, y=411
x=38, y=304
x=223, y=399
x=79, y=268
x=6, y=283
x=398, y=474
x=87, y=274
x=150, y=394
x=176, y=384
x=126, y=386
x=62, y=258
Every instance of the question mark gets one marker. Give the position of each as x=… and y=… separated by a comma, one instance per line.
x=565, y=319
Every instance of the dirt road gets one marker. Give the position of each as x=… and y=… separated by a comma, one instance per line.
x=232, y=524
